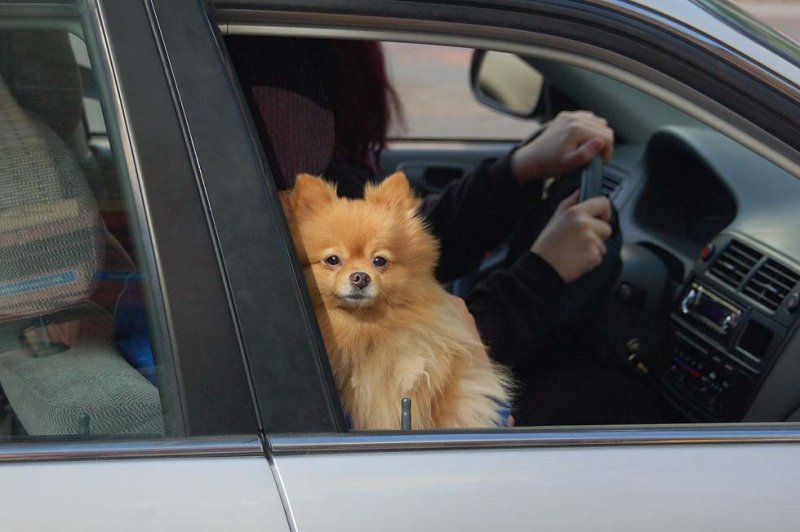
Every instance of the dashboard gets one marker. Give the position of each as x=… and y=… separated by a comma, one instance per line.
x=727, y=299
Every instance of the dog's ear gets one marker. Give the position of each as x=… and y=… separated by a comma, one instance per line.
x=309, y=194
x=395, y=192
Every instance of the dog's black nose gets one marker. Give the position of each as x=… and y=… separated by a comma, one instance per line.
x=359, y=279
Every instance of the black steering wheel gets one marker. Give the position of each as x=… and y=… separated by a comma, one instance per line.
x=592, y=179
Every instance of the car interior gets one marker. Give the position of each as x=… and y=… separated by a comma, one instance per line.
x=704, y=310
x=707, y=300
x=75, y=355
x=705, y=306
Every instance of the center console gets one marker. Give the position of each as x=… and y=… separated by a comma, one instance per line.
x=726, y=329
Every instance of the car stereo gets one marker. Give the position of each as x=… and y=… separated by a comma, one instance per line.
x=703, y=372
x=713, y=312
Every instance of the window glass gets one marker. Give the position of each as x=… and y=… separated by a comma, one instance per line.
x=432, y=83
x=76, y=357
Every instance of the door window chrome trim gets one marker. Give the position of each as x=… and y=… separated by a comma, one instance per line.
x=353, y=442
x=228, y=446
x=243, y=20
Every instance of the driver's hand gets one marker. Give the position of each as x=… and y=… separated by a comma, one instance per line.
x=572, y=242
x=568, y=142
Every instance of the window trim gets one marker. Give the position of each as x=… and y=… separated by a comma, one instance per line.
x=143, y=106
x=534, y=438
x=39, y=451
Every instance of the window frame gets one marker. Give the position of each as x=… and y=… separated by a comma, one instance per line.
x=557, y=26
x=145, y=119
x=279, y=341
x=197, y=326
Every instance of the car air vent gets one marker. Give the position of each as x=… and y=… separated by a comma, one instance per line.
x=734, y=263
x=610, y=183
x=771, y=284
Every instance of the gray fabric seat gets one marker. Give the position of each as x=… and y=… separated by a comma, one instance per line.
x=51, y=246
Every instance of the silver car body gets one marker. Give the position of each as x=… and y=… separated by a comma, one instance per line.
x=727, y=477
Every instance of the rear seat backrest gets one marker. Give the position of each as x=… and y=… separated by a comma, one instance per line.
x=49, y=224
x=51, y=246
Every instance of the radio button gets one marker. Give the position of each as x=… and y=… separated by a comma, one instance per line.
x=794, y=302
x=690, y=300
x=731, y=321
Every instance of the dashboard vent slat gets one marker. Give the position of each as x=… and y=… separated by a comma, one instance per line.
x=610, y=184
x=781, y=274
x=734, y=263
x=771, y=284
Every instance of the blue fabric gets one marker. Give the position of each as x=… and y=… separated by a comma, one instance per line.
x=133, y=339
x=504, y=410
x=138, y=351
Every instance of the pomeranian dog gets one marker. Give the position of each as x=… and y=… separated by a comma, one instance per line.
x=390, y=329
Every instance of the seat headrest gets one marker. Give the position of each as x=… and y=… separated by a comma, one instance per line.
x=51, y=233
x=40, y=69
x=288, y=104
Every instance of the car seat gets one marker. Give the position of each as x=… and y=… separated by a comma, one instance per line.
x=52, y=243
x=289, y=107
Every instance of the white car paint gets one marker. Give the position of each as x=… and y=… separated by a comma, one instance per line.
x=169, y=494
x=735, y=487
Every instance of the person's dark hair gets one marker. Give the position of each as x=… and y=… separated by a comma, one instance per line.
x=318, y=105
x=361, y=97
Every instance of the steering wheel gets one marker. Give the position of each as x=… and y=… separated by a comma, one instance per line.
x=592, y=179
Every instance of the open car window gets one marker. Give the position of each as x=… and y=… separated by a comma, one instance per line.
x=432, y=83
x=660, y=331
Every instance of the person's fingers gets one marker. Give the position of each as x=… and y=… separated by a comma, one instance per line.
x=608, y=151
x=598, y=207
x=589, y=118
x=581, y=113
x=585, y=128
x=599, y=245
x=594, y=254
x=586, y=152
x=604, y=134
x=568, y=202
x=601, y=229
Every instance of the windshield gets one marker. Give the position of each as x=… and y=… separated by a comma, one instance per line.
x=745, y=22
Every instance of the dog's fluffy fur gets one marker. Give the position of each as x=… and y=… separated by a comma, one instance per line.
x=398, y=336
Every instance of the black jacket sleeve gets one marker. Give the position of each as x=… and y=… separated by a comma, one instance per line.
x=472, y=215
x=513, y=308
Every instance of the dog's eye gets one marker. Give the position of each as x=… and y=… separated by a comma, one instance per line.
x=332, y=260
x=379, y=261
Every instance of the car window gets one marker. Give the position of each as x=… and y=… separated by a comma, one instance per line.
x=432, y=83
x=76, y=355
x=679, y=323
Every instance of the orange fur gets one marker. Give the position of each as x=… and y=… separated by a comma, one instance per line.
x=400, y=336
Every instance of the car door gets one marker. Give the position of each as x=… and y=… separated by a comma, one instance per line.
x=692, y=477
x=125, y=398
